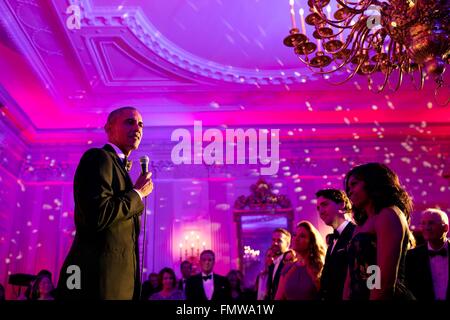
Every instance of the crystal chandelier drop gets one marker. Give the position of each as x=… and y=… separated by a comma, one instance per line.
x=393, y=38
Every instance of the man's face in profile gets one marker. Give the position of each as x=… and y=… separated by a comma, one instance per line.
x=328, y=210
x=125, y=130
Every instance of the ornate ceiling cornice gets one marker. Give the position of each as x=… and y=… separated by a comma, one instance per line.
x=136, y=21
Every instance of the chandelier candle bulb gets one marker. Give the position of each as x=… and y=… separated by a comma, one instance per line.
x=302, y=20
x=291, y=3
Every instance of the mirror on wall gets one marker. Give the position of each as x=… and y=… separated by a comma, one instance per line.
x=256, y=216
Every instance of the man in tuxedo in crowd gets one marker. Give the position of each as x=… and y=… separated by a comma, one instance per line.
x=208, y=285
x=334, y=207
x=427, y=266
x=281, y=240
x=107, y=210
x=186, y=272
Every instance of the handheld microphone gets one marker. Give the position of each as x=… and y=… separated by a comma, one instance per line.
x=144, y=160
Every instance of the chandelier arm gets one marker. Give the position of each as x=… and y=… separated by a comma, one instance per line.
x=357, y=68
x=333, y=23
x=391, y=46
x=366, y=4
x=352, y=74
x=386, y=78
x=400, y=80
x=350, y=40
x=339, y=66
x=303, y=61
x=400, y=76
x=325, y=72
x=422, y=77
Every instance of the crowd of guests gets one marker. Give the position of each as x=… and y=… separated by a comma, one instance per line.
x=370, y=255
x=39, y=288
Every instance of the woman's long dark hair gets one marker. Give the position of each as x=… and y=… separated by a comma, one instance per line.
x=35, y=291
x=383, y=188
x=317, y=251
x=161, y=277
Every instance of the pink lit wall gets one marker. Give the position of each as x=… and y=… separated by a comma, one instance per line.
x=37, y=205
x=219, y=62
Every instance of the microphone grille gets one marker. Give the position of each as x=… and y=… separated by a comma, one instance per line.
x=144, y=159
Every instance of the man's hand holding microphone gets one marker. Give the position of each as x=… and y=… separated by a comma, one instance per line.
x=144, y=184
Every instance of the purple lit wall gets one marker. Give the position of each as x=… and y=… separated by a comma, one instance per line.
x=219, y=62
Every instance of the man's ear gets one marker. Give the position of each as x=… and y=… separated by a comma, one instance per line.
x=342, y=209
x=107, y=127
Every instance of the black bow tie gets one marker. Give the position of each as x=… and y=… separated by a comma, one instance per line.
x=127, y=164
x=208, y=277
x=332, y=236
x=441, y=252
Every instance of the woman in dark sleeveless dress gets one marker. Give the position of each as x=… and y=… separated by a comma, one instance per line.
x=382, y=211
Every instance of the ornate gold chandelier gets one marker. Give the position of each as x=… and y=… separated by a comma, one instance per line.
x=392, y=38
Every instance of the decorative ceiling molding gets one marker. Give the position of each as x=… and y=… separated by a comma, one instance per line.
x=10, y=19
x=137, y=22
x=113, y=71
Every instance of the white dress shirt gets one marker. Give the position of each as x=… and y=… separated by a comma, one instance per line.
x=183, y=284
x=276, y=264
x=439, y=273
x=121, y=156
x=339, y=229
x=208, y=285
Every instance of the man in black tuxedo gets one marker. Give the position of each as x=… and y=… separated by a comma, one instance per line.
x=107, y=210
x=281, y=240
x=427, y=266
x=186, y=272
x=207, y=285
x=333, y=206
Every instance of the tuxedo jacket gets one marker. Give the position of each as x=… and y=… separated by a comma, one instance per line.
x=105, y=247
x=418, y=273
x=273, y=281
x=335, y=268
x=180, y=284
x=195, y=291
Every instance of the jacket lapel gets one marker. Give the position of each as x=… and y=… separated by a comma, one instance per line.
x=201, y=288
x=344, y=237
x=428, y=279
x=118, y=163
x=448, y=279
x=216, y=285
